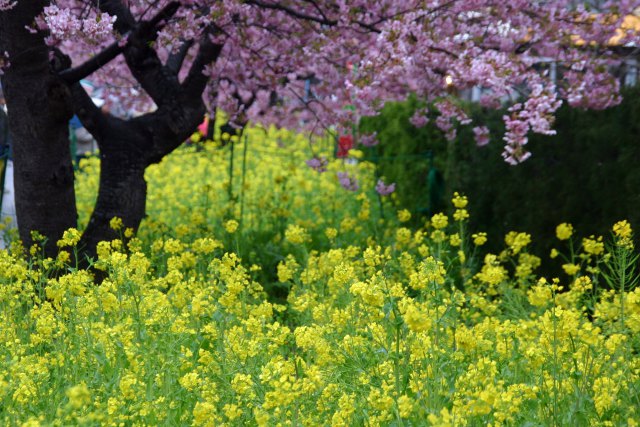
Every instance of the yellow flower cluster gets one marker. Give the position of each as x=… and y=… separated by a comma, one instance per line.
x=564, y=231
x=312, y=313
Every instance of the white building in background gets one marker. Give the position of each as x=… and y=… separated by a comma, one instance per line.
x=8, y=216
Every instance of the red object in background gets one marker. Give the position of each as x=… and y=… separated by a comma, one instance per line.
x=345, y=143
x=202, y=128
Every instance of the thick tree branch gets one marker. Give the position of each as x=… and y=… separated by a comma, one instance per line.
x=74, y=75
x=92, y=117
x=196, y=81
x=175, y=60
x=159, y=83
x=180, y=107
x=178, y=117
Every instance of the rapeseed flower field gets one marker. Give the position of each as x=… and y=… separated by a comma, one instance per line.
x=260, y=292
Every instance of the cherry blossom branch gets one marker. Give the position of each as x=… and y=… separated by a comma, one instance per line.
x=292, y=12
x=146, y=30
x=125, y=22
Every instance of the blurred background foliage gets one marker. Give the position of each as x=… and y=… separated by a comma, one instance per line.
x=586, y=175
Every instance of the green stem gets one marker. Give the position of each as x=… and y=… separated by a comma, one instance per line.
x=244, y=174
x=622, y=274
x=231, y=171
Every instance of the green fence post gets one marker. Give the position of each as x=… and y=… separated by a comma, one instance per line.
x=435, y=185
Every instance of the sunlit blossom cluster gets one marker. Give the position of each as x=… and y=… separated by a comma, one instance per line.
x=63, y=24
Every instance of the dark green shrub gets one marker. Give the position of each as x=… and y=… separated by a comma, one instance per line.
x=587, y=174
x=413, y=158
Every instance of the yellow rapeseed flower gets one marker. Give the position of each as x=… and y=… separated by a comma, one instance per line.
x=439, y=221
x=479, y=239
x=78, y=395
x=541, y=294
x=295, y=234
x=564, y=231
x=331, y=233
x=622, y=229
x=403, y=235
x=517, y=241
x=404, y=215
x=460, y=214
x=492, y=273
x=592, y=245
x=70, y=237
x=204, y=413
x=231, y=226
x=459, y=202
x=570, y=269
x=416, y=319
x=116, y=223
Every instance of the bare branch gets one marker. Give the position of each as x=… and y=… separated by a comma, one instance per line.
x=74, y=75
x=292, y=12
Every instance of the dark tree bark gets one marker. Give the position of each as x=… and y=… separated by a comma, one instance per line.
x=122, y=192
x=40, y=107
x=41, y=103
x=127, y=147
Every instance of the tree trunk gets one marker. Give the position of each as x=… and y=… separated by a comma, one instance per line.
x=127, y=147
x=123, y=191
x=39, y=107
x=122, y=194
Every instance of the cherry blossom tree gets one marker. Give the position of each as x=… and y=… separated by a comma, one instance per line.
x=254, y=59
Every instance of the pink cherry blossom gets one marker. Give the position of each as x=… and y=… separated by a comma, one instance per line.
x=319, y=164
x=369, y=140
x=319, y=65
x=7, y=4
x=481, y=135
x=348, y=182
x=385, y=189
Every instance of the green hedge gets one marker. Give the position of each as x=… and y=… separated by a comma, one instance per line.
x=414, y=158
x=588, y=174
